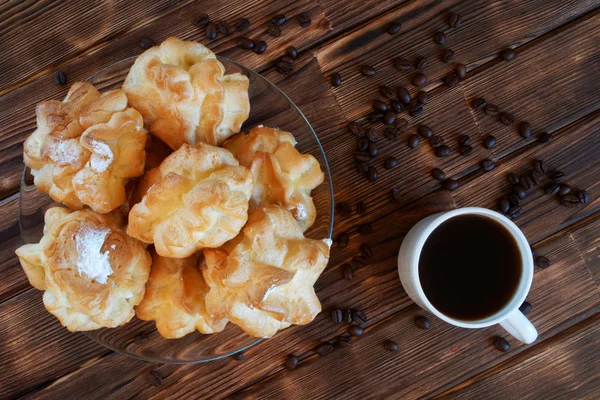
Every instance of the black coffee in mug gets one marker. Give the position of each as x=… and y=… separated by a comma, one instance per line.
x=470, y=267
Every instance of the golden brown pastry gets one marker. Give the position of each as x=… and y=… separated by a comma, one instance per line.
x=86, y=147
x=184, y=95
x=93, y=274
x=282, y=175
x=263, y=279
x=175, y=298
x=200, y=200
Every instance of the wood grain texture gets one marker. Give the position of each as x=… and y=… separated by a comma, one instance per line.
x=429, y=361
x=547, y=370
x=343, y=14
x=587, y=238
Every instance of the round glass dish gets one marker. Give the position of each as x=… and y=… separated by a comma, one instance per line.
x=140, y=339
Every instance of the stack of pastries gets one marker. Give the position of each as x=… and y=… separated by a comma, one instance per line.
x=161, y=222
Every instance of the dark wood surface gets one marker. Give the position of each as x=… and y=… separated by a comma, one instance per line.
x=554, y=83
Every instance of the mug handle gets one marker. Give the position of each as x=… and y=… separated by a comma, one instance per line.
x=517, y=325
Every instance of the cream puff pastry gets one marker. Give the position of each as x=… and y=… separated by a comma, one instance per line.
x=92, y=273
x=86, y=147
x=184, y=95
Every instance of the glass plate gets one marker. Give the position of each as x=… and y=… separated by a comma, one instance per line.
x=140, y=339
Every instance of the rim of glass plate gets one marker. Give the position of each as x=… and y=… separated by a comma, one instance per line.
x=331, y=207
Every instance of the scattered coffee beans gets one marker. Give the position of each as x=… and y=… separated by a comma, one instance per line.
x=348, y=316
x=304, y=20
x=367, y=70
x=540, y=166
x=479, y=103
x=447, y=56
x=501, y=344
x=394, y=28
x=223, y=28
x=515, y=211
x=413, y=141
x=355, y=330
x=488, y=165
x=525, y=308
x=390, y=162
x=436, y=141
x=336, y=316
x=356, y=129
x=524, y=130
x=245, y=43
x=402, y=64
x=491, y=109
x=403, y=94
x=489, y=141
x=506, y=118
x=503, y=204
x=260, y=47
x=519, y=191
x=389, y=117
x=347, y=272
x=542, y=262
x=336, y=79
x=455, y=20
x=422, y=62
x=292, y=52
x=451, y=79
x=344, y=209
x=396, y=196
x=386, y=91
x=147, y=43
x=545, y=138
x=361, y=207
x=419, y=79
x=344, y=341
x=552, y=188
x=359, y=317
x=513, y=178
x=460, y=70
x=284, y=67
x=366, y=250
x=242, y=24
x=202, y=20
x=211, y=30
x=291, y=362
x=583, y=196
x=422, y=322
x=438, y=174
x=557, y=175
x=415, y=110
x=342, y=240
x=273, y=30
x=390, y=345
x=450, y=184
x=442, y=151
x=379, y=106
x=155, y=378
x=365, y=229
x=422, y=97
x=465, y=150
x=324, y=348
x=564, y=189
x=372, y=149
x=238, y=356
x=569, y=200
x=60, y=78
x=508, y=54
x=439, y=37
x=424, y=131
x=363, y=143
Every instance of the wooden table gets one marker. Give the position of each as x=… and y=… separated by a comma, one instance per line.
x=554, y=83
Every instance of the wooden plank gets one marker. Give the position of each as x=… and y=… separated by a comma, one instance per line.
x=344, y=14
x=63, y=30
x=575, y=151
x=488, y=27
x=564, y=367
x=588, y=242
x=373, y=283
x=429, y=361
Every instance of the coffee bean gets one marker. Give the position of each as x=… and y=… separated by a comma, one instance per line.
x=379, y=106
x=503, y=204
x=362, y=144
x=422, y=322
x=396, y=195
x=436, y=141
x=543, y=262
x=515, y=212
x=450, y=184
x=141, y=338
x=442, y=151
x=60, y=78
x=413, y=141
x=260, y=47
x=552, y=188
x=344, y=341
x=422, y=62
x=447, y=56
x=343, y=208
x=508, y=54
x=513, y=178
x=396, y=105
x=501, y=344
x=356, y=129
x=224, y=28
x=238, y=356
x=465, y=150
x=489, y=141
x=390, y=162
x=545, y=138
x=390, y=345
x=366, y=250
x=424, y=131
x=525, y=308
x=361, y=207
x=367, y=70
x=372, y=174
x=402, y=125
x=460, y=71
x=284, y=67
x=211, y=30
x=336, y=316
x=524, y=129
x=419, y=79
x=514, y=199
x=362, y=168
x=557, y=175
x=292, y=52
x=422, y=97
x=155, y=378
x=359, y=317
x=335, y=78
x=273, y=30
x=279, y=20
x=506, y=118
x=402, y=64
x=291, y=362
x=355, y=330
x=147, y=43
x=372, y=149
x=438, y=174
x=375, y=117
x=202, y=20
x=519, y=191
x=242, y=24
x=365, y=229
x=342, y=240
x=245, y=43
x=439, y=37
x=394, y=28
x=488, y=165
x=451, y=79
x=455, y=20
x=491, y=109
x=478, y=103
x=583, y=196
x=362, y=156
x=403, y=94
x=391, y=132
x=324, y=348
x=540, y=166
x=389, y=117
x=372, y=136
x=564, y=189
x=348, y=316
x=569, y=200
x=287, y=59
x=386, y=91
x=347, y=272
x=415, y=110
x=304, y=20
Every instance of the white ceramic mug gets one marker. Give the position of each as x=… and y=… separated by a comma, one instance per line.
x=509, y=317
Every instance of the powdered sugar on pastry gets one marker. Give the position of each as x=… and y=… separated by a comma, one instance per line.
x=102, y=157
x=91, y=261
x=66, y=152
